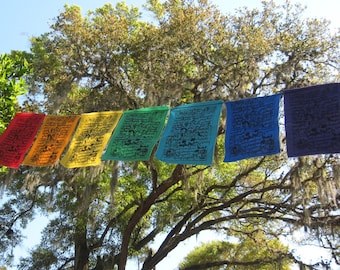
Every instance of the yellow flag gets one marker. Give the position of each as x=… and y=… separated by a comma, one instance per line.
x=52, y=138
x=88, y=143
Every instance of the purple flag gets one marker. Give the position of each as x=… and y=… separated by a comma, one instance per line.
x=312, y=120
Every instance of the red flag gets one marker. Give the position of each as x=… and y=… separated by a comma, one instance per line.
x=18, y=137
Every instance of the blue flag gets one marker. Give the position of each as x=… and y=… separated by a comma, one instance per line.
x=312, y=120
x=252, y=128
x=190, y=135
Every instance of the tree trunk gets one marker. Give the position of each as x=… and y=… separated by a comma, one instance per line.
x=81, y=251
x=81, y=261
x=144, y=208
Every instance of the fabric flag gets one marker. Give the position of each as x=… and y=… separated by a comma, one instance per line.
x=252, y=128
x=312, y=120
x=52, y=138
x=190, y=135
x=18, y=138
x=90, y=139
x=136, y=134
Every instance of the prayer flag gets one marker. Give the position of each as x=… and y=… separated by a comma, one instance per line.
x=18, y=138
x=312, y=120
x=90, y=138
x=252, y=128
x=136, y=134
x=52, y=138
x=190, y=135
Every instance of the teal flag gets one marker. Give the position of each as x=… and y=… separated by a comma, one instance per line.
x=190, y=135
x=136, y=134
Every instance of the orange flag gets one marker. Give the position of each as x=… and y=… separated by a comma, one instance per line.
x=88, y=143
x=53, y=137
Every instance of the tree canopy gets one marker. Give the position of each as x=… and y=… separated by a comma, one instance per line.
x=113, y=59
x=13, y=68
x=255, y=252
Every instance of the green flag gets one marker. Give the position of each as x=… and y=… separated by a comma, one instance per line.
x=136, y=134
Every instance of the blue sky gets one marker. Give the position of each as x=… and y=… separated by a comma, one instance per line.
x=22, y=19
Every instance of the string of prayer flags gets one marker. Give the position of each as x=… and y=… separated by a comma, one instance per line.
x=90, y=138
x=190, y=134
x=312, y=120
x=54, y=135
x=18, y=138
x=312, y=125
x=252, y=128
x=136, y=134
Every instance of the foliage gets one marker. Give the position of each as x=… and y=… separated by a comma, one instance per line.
x=13, y=68
x=111, y=59
x=252, y=253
